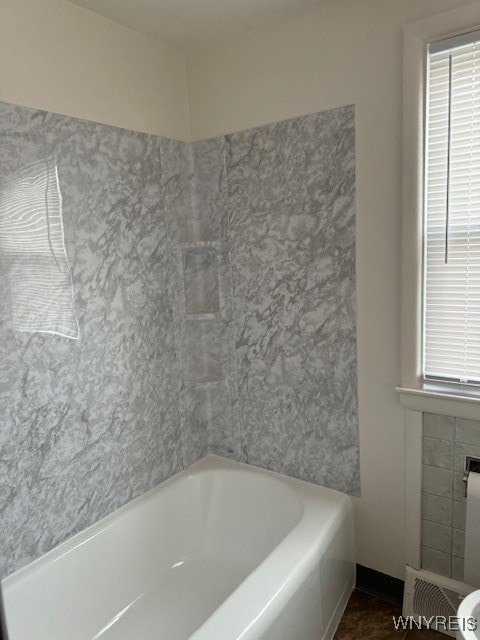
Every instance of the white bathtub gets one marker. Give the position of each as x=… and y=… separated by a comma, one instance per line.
x=221, y=551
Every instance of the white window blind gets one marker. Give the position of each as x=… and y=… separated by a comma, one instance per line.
x=452, y=212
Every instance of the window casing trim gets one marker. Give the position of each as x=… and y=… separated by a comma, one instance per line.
x=413, y=389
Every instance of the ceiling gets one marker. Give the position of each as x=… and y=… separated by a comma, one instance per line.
x=191, y=25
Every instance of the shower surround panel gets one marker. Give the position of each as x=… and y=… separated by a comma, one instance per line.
x=215, y=290
x=291, y=208
x=88, y=425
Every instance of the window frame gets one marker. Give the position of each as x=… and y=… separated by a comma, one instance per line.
x=438, y=46
x=414, y=393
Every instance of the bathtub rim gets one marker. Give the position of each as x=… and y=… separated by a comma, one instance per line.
x=291, y=560
x=288, y=560
x=210, y=462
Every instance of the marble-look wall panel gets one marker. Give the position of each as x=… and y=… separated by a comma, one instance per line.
x=200, y=272
x=210, y=194
x=178, y=188
x=215, y=399
x=291, y=208
x=87, y=425
x=215, y=290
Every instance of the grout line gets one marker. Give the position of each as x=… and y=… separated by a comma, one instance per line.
x=435, y=495
x=427, y=546
x=448, y=526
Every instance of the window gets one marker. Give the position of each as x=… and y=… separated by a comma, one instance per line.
x=451, y=301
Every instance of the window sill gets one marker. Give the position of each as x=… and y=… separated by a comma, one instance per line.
x=436, y=399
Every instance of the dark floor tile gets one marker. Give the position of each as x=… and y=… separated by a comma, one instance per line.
x=426, y=634
x=369, y=618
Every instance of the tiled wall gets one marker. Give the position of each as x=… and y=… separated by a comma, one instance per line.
x=446, y=442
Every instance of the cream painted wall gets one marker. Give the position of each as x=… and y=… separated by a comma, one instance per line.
x=63, y=58
x=335, y=53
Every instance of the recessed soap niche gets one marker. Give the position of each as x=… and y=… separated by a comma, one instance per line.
x=200, y=273
x=191, y=230
x=209, y=410
x=205, y=350
x=206, y=334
